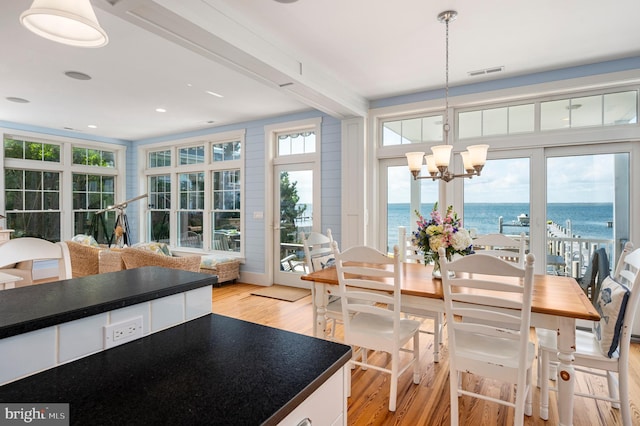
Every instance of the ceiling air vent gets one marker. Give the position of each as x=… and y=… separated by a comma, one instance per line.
x=486, y=71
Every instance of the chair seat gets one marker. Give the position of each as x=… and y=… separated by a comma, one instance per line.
x=587, y=347
x=364, y=323
x=502, y=351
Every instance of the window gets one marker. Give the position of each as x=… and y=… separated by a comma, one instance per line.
x=51, y=187
x=496, y=121
x=412, y=130
x=226, y=210
x=27, y=150
x=160, y=158
x=297, y=143
x=191, y=155
x=195, y=203
x=510, y=196
x=226, y=151
x=191, y=209
x=92, y=193
x=597, y=110
x=32, y=203
x=93, y=157
x=159, y=189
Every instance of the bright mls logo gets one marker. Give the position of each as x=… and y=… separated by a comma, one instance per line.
x=38, y=414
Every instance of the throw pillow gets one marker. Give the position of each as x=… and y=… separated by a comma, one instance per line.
x=87, y=240
x=611, y=305
x=322, y=262
x=155, y=247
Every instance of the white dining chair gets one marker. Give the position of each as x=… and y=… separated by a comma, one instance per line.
x=33, y=249
x=502, y=246
x=603, y=351
x=318, y=255
x=479, y=294
x=365, y=274
x=409, y=252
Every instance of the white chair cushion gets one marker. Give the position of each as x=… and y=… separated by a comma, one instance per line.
x=611, y=305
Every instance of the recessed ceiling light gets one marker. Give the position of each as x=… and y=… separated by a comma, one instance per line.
x=210, y=122
x=161, y=110
x=217, y=95
x=77, y=75
x=92, y=126
x=286, y=1
x=17, y=100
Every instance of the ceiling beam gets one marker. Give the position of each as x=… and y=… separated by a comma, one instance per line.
x=208, y=27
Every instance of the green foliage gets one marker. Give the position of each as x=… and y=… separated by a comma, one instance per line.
x=289, y=210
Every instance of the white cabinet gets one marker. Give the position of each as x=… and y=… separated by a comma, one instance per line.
x=326, y=406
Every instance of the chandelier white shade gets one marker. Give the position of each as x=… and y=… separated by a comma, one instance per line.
x=438, y=163
x=71, y=22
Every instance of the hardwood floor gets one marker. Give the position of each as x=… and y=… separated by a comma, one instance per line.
x=428, y=402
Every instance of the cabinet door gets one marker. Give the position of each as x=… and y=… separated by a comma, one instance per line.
x=324, y=407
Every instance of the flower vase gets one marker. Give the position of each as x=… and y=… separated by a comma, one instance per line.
x=437, y=273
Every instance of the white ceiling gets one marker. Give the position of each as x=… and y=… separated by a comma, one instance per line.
x=333, y=55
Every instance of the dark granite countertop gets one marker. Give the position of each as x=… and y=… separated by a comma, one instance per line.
x=34, y=307
x=213, y=370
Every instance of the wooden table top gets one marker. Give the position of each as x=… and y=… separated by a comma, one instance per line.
x=552, y=294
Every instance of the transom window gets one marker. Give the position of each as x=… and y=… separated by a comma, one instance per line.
x=412, y=130
x=93, y=157
x=160, y=158
x=28, y=150
x=303, y=142
x=191, y=155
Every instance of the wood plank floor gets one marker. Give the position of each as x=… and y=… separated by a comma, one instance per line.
x=428, y=402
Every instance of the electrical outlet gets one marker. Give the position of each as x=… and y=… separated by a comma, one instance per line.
x=122, y=332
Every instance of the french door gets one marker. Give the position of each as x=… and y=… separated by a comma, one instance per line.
x=295, y=202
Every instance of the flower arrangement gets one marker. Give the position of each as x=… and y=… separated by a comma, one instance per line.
x=438, y=231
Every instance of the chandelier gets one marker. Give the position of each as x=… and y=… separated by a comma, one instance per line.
x=473, y=158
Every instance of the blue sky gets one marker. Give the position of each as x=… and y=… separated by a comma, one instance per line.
x=576, y=179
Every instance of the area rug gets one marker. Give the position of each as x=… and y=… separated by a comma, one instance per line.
x=281, y=292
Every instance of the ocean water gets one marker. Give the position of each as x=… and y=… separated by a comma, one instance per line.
x=588, y=220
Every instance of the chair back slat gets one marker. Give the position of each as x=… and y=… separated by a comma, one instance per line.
x=361, y=270
x=502, y=246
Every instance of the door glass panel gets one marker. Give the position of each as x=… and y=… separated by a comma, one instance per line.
x=587, y=208
x=404, y=197
x=498, y=201
x=296, y=214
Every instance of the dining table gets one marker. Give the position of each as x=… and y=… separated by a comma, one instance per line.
x=557, y=303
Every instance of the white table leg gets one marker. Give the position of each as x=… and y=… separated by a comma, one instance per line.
x=566, y=372
x=320, y=309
